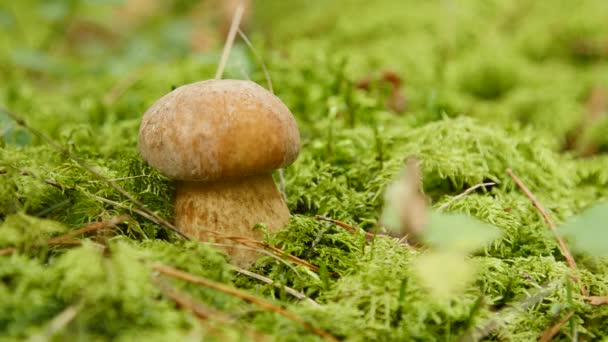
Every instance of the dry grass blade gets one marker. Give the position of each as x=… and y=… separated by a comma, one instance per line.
x=202, y=312
x=259, y=59
x=293, y=292
x=152, y=216
x=236, y=21
x=259, y=250
x=481, y=331
x=58, y=323
x=64, y=240
x=550, y=333
x=184, y=301
x=562, y=244
x=464, y=194
x=175, y=273
x=258, y=244
x=343, y=225
x=91, y=227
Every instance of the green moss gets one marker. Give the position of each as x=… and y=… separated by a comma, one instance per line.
x=489, y=85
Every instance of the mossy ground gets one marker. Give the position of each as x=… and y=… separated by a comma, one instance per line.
x=490, y=85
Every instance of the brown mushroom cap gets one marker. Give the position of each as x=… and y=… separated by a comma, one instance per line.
x=218, y=129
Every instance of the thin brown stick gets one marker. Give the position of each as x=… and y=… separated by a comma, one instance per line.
x=562, y=245
x=176, y=273
x=91, y=227
x=236, y=21
x=343, y=225
x=258, y=250
x=152, y=216
x=464, y=194
x=202, y=312
x=64, y=240
x=550, y=333
x=293, y=292
x=258, y=244
x=184, y=301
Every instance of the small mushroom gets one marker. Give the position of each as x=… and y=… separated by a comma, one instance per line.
x=220, y=140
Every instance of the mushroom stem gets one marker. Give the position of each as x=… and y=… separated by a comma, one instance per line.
x=230, y=207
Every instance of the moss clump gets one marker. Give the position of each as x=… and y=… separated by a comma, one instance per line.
x=489, y=86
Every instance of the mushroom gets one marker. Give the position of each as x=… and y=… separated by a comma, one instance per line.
x=220, y=140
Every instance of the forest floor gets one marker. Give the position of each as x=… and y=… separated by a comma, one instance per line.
x=502, y=107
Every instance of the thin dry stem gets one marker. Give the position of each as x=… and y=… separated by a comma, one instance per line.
x=259, y=250
x=91, y=227
x=464, y=194
x=293, y=292
x=202, y=312
x=262, y=303
x=58, y=323
x=481, y=331
x=152, y=216
x=183, y=300
x=344, y=225
x=550, y=333
x=259, y=59
x=121, y=87
x=562, y=245
x=258, y=244
x=236, y=21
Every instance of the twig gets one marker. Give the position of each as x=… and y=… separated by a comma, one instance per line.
x=152, y=216
x=259, y=250
x=201, y=311
x=464, y=194
x=64, y=240
x=176, y=273
x=236, y=21
x=550, y=333
x=343, y=225
x=562, y=245
x=293, y=292
x=185, y=301
x=258, y=244
x=144, y=214
x=91, y=227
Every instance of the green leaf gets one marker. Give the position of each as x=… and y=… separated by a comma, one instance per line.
x=10, y=133
x=445, y=274
x=588, y=232
x=458, y=232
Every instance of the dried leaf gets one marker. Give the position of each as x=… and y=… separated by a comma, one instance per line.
x=405, y=206
x=597, y=300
